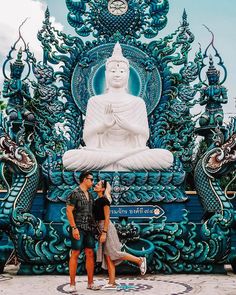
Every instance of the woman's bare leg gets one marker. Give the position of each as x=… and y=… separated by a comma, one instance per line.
x=111, y=270
x=132, y=258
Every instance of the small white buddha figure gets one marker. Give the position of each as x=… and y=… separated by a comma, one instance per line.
x=116, y=128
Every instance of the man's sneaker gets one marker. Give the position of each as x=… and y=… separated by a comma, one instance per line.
x=93, y=287
x=72, y=289
x=143, y=266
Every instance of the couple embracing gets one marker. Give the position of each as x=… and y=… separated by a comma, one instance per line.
x=84, y=214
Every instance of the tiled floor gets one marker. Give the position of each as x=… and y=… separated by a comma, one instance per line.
x=150, y=284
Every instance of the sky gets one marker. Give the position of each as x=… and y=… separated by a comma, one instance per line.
x=218, y=15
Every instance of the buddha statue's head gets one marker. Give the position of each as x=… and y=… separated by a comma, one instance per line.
x=117, y=69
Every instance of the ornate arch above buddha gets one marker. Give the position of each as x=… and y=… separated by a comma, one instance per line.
x=88, y=78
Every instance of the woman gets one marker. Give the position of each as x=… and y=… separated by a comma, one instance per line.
x=109, y=250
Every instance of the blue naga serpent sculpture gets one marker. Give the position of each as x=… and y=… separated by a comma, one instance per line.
x=217, y=161
x=25, y=169
x=28, y=233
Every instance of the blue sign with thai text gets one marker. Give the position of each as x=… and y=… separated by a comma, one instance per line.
x=136, y=211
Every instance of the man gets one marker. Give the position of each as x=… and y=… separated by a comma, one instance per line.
x=79, y=212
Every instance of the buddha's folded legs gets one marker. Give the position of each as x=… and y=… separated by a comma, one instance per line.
x=84, y=159
x=150, y=159
x=145, y=159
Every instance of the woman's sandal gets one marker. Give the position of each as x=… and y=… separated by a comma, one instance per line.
x=109, y=287
x=93, y=287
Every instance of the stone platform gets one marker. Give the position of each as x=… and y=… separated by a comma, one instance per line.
x=11, y=284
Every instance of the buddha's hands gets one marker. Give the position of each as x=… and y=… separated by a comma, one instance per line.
x=124, y=124
x=109, y=120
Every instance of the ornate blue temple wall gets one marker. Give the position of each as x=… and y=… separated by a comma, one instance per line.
x=155, y=215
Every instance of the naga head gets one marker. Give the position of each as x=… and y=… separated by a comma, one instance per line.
x=17, y=155
x=222, y=159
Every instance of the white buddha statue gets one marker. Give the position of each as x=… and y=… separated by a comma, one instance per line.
x=116, y=128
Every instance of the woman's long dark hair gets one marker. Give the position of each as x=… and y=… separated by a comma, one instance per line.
x=107, y=192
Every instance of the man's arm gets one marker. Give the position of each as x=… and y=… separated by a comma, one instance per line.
x=70, y=216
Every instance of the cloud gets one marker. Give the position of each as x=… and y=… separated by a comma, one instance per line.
x=12, y=14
